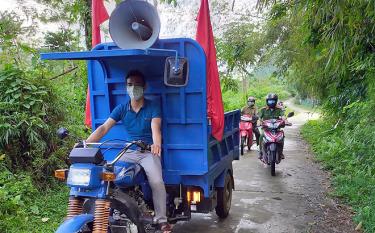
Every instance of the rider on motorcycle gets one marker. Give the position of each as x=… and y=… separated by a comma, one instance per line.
x=142, y=120
x=251, y=110
x=270, y=111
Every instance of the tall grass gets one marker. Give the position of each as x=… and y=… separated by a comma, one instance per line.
x=348, y=150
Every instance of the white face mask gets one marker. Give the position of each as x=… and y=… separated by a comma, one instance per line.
x=135, y=92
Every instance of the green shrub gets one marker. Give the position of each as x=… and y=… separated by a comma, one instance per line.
x=30, y=113
x=259, y=88
x=24, y=208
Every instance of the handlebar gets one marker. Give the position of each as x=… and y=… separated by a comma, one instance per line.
x=142, y=145
x=249, y=118
x=282, y=122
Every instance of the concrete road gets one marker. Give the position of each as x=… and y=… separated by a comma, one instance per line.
x=293, y=201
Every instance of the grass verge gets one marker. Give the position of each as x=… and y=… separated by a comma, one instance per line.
x=344, y=152
x=26, y=208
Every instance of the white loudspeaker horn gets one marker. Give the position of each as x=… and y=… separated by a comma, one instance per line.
x=134, y=24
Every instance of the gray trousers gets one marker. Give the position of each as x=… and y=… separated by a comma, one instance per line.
x=152, y=166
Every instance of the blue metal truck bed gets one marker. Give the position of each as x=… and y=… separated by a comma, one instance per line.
x=190, y=155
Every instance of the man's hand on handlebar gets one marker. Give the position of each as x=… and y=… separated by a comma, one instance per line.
x=156, y=149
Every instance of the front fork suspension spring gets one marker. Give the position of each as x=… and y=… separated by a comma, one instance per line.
x=75, y=207
x=101, y=216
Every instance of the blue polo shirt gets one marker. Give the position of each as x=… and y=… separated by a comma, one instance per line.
x=137, y=125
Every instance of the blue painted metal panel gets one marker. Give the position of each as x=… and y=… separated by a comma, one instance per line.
x=128, y=175
x=190, y=155
x=101, y=52
x=75, y=224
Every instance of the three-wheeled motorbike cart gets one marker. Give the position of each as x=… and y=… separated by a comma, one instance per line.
x=108, y=195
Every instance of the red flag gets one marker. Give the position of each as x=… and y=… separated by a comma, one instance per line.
x=205, y=38
x=98, y=16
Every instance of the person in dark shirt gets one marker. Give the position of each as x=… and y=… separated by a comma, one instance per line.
x=142, y=121
x=270, y=111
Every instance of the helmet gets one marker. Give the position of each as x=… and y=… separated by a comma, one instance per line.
x=251, y=101
x=271, y=100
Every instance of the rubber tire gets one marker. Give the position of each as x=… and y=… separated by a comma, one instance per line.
x=224, y=198
x=249, y=142
x=243, y=139
x=273, y=163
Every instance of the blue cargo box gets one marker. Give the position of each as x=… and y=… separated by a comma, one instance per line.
x=190, y=155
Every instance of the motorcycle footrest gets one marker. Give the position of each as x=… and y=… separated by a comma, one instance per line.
x=178, y=218
x=147, y=220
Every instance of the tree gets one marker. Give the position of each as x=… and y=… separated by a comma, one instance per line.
x=12, y=34
x=239, y=51
x=70, y=12
x=321, y=45
x=63, y=40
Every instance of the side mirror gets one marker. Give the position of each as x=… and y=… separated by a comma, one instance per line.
x=176, y=74
x=62, y=133
x=290, y=114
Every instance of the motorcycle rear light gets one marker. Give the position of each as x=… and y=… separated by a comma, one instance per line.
x=193, y=196
x=108, y=176
x=61, y=174
x=197, y=197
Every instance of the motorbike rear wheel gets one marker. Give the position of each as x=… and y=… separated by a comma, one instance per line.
x=224, y=197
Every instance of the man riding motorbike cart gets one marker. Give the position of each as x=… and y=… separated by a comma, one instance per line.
x=270, y=111
x=251, y=110
x=142, y=120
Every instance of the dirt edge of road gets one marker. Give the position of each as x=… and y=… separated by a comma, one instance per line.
x=336, y=216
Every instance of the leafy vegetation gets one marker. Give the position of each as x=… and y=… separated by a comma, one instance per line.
x=259, y=88
x=34, y=102
x=348, y=153
x=23, y=207
x=239, y=53
x=29, y=111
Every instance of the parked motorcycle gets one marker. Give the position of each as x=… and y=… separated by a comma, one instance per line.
x=273, y=141
x=246, y=131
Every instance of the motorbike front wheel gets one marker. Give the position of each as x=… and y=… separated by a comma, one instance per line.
x=250, y=141
x=243, y=141
x=273, y=163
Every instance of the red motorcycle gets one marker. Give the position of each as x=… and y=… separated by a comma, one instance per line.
x=273, y=141
x=246, y=131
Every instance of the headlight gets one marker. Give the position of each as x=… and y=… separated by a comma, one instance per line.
x=79, y=176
